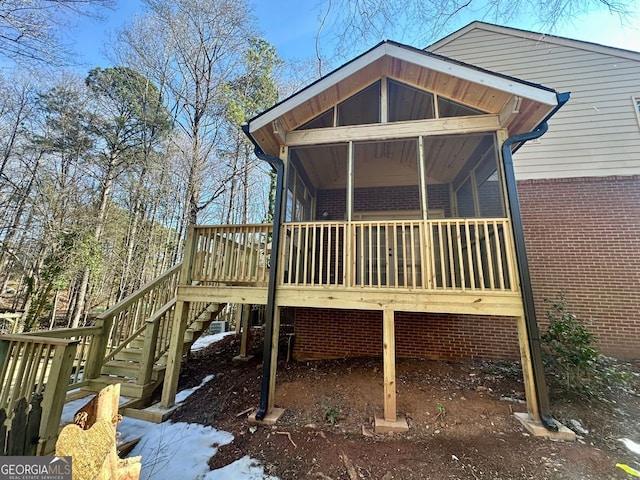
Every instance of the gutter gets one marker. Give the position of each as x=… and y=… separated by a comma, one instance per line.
x=278, y=165
x=542, y=395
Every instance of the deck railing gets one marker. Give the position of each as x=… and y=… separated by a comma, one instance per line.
x=84, y=338
x=151, y=308
x=31, y=364
x=452, y=254
x=444, y=254
x=233, y=254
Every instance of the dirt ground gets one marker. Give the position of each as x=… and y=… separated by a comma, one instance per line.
x=460, y=418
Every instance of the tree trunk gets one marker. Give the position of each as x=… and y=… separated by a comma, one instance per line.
x=102, y=211
x=54, y=310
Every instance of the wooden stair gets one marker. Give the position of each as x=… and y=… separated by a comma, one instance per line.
x=125, y=366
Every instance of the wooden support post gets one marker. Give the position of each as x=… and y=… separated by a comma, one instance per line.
x=54, y=395
x=238, y=318
x=389, y=359
x=527, y=370
x=274, y=357
x=389, y=422
x=244, y=339
x=246, y=329
x=147, y=358
x=174, y=359
x=98, y=349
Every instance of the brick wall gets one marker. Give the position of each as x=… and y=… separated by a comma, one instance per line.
x=334, y=201
x=583, y=239
x=332, y=333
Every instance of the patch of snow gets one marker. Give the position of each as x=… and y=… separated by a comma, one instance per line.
x=207, y=340
x=577, y=426
x=173, y=450
x=245, y=469
x=184, y=394
x=631, y=445
x=179, y=450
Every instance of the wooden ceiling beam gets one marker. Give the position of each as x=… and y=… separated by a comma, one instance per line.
x=356, y=133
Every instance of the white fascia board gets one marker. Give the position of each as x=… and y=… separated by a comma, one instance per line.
x=317, y=88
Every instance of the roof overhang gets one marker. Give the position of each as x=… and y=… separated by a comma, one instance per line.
x=518, y=105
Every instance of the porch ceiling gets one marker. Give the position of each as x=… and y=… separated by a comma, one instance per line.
x=519, y=105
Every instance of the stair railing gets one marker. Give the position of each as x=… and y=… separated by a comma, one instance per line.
x=151, y=305
x=32, y=364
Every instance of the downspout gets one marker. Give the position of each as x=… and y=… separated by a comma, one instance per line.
x=278, y=165
x=542, y=395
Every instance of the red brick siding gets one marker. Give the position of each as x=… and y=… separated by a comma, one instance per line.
x=583, y=239
x=386, y=198
x=332, y=333
x=334, y=201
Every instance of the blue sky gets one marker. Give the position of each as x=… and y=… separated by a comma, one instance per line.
x=291, y=27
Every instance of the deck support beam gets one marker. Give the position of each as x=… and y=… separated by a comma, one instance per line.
x=389, y=422
x=527, y=368
x=174, y=358
x=245, y=322
x=389, y=359
x=274, y=357
x=273, y=414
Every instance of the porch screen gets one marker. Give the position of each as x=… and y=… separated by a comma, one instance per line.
x=466, y=165
x=386, y=180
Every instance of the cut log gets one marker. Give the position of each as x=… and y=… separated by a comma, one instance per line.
x=92, y=441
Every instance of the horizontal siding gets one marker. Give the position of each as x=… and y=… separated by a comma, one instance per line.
x=596, y=133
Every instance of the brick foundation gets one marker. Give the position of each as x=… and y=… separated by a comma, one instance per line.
x=332, y=333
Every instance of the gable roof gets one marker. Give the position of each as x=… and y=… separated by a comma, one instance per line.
x=488, y=91
x=538, y=37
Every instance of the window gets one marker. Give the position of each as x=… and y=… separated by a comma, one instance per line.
x=636, y=105
x=299, y=198
x=321, y=121
x=449, y=108
x=361, y=108
x=408, y=103
x=404, y=103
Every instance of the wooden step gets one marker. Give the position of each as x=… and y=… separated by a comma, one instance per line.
x=129, y=355
x=121, y=368
x=129, y=369
x=128, y=387
x=137, y=342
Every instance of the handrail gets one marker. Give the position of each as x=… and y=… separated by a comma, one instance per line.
x=156, y=316
x=127, y=320
x=122, y=304
x=85, y=337
x=124, y=343
x=31, y=338
x=64, y=332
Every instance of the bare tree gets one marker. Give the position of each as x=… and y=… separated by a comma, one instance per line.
x=197, y=46
x=32, y=30
x=355, y=24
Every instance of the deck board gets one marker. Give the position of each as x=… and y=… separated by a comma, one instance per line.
x=409, y=300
